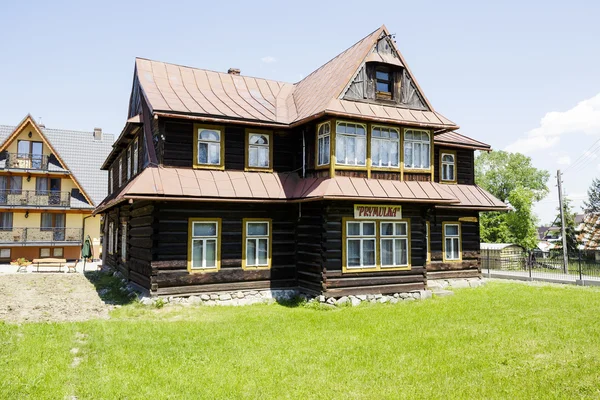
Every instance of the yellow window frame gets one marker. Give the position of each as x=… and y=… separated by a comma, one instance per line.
x=245, y=221
x=453, y=154
x=400, y=149
x=367, y=148
x=460, y=246
x=331, y=139
x=377, y=238
x=247, y=134
x=217, y=247
x=429, y=170
x=221, y=130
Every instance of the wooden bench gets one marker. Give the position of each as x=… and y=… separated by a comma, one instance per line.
x=53, y=263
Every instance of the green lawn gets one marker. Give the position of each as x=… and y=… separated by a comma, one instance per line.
x=505, y=340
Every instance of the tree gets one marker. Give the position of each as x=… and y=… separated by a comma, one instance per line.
x=592, y=206
x=513, y=179
x=500, y=173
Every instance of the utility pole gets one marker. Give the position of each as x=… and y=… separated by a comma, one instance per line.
x=562, y=223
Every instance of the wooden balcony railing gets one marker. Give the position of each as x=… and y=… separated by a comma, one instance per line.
x=26, y=161
x=34, y=198
x=40, y=235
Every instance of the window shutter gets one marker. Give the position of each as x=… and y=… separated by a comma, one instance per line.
x=398, y=86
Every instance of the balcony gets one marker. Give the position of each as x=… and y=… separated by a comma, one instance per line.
x=26, y=161
x=34, y=198
x=40, y=236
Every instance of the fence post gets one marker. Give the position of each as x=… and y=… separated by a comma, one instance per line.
x=488, y=263
x=579, y=268
x=529, y=264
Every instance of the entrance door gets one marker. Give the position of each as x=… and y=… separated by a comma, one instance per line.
x=29, y=154
x=54, y=198
x=56, y=224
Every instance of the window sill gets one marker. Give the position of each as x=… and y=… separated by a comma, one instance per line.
x=386, y=169
x=448, y=182
x=347, y=270
x=254, y=268
x=452, y=260
x=207, y=166
x=258, y=169
x=202, y=270
x=351, y=167
x=418, y=170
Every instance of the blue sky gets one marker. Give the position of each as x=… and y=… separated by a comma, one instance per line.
x=522, y=75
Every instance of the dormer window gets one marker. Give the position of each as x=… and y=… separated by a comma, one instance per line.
x=383, y=79
x=208, y=150
x=259, y=150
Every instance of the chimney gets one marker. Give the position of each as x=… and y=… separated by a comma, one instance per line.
x=234, y=71
x=97, y=133
x=41, y=124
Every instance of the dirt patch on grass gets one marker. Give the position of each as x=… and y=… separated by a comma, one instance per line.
x=49, y=297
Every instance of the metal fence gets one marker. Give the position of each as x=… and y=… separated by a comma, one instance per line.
x=582, y=267
x=27, y=161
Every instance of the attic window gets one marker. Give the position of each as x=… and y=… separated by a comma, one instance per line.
x=383, y=78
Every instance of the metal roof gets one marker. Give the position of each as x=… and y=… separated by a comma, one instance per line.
x=83, y=155
x=161, y=183
x=171, y=88
x=455, y=139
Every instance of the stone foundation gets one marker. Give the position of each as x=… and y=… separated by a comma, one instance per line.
x=442, y=284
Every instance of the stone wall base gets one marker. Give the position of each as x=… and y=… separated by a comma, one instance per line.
x=442, y=284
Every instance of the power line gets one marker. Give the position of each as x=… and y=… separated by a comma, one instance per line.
x=585, y=157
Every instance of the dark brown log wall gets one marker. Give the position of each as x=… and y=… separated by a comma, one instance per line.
x=470, y=265
x=465, y=169
x=169, y=265
x=311, y=235
x=338, y=283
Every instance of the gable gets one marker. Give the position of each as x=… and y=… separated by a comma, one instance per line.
x=384, y=55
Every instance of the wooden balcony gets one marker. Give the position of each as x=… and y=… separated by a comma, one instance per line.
x=40, y=236
x=34, y=198
x=26, y=161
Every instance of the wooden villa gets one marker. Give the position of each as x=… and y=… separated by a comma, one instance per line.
x=347, y=182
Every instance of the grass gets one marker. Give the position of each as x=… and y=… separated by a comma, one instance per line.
x=505, y=340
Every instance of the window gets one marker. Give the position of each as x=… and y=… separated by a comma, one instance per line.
x=417, y=148
x=350, y=144
x=394, y=244
x=51, y=221
x=448, y=166
x=204, y=237
x=116, y=239
x=6, y=221
x=124, y=241
x=135, y=156
x=111, y=248
x=428, y=241
x=30, y=154
x=383, y=78
x=128, y=163
x=209, y=146
x=257, y=244
x=385, y=146
x=451, y=242
x=56, y=252
x=45, y=252
x=360, y=244
x=5, y=253
x=323, y=143
x=120, y=171
x=259, y=150
x=10, y=185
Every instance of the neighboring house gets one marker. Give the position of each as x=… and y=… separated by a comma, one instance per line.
x=345, y=182
x=50, y=182
x=588, y=233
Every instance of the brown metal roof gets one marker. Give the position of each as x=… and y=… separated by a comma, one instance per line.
x=202, y=185
x=455, y=139
x=174, y=89
x=473, y=197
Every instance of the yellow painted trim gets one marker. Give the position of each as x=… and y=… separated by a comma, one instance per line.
x=195, y=163
x=218, y=247
x=354, y=167
x=269, y=255
x=400, y=149
x=453, y=153
x=19, y=129
x=468, y=219
x=324, y=166
x=429, y=170
x=247, y=133
x=444, y=240
x=428, y=238
x=378, y=238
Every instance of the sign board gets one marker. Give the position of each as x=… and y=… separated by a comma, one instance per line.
x=468, y=219
x=372, y=211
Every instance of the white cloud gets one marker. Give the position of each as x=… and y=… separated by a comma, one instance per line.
x=564, y=160
x=268, y=59
x=584, y=118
